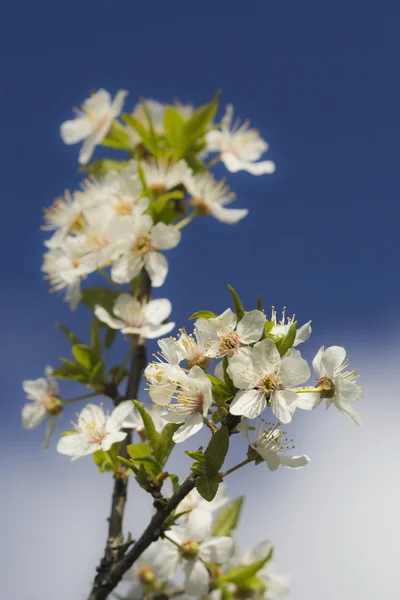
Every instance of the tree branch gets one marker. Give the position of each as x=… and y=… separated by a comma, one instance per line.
x=115, y=548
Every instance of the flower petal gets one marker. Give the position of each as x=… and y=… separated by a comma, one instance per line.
x=332, y=358
x=75, y=445
x=249, y=403
x=197, y=578
x=216, y=550
x=157, y=267
x=308, y=401
x=347, y=391
x=165, y=236
x=294, y=462
x=303, y=333
x=268, y=351
x=156, y=311
x=106, y=318
x=283, y=404
x=192, y=425
x=251, y=327
x=33, y=414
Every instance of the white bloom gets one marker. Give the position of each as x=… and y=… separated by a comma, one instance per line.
x=239, y=146
x=269, y=442
x=156, y=111
x=282, y=327
x=140, y=318
x=65, y=216
x=140, y=245
x=46, y=402
x=147, y=573
x=193, y=399
x=135, y=421
x=201, y=511
x=226, y=335
x=192, y=552
x=163, y=376
x=195, y=348
x=92, y=122
x=338, y=385
x=210, y=197
x=64, y=269
x=162, y=175
x=277, y=585
x=266, y=379
x=95, y=430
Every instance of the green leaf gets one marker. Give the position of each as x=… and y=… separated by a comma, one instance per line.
x=99, y=168
x=165, y=443
x=218, y=448
x=287, y=342
x=228, y=381
x=198, y=123
x=138, y=450
x=152, y=436
x=228, y=518
x=109, y=337
x=141, y=453
x=175, y=482
x=199, y=456
x=69, y=334
x=237, y=304
x=207, y=481
x=103, y=461
x=174, y=125
x=203, y=314
x=117, y=137
x=260, y=303
x=98, y=374
x=95, y=337
x=164, y=208
x=219, y=386
x=269, y=325
x=147, y=138
x=84, y=356
x=240, y=575
x=99, y=295
x=71, y=370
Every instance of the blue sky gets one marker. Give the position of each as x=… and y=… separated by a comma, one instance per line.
x=319, y=81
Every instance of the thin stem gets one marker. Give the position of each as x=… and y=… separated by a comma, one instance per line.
x=209, y=425
x=308, y=390
x=106, y=276
x=185, y=221
x=213, y=161
x=174, y=542
x=79, y=398
x=236, y=467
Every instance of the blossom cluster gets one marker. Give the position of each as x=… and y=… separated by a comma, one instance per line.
x=206, y=559
x=125, y=216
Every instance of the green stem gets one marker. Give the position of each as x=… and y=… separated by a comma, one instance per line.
x=78, y=398
x=185, y=221
x=213, y=162
x=309, y=390
x=236, y=467
x=106, y=276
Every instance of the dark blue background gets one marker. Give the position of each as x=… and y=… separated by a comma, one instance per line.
x=320, y=82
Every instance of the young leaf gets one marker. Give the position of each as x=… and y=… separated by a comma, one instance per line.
x=198, y=123
x=237, y=304
x=173, y=128
x=218, y=448
x=152, y=436
x=84, y=356
x=240, y=575
x=99, y=168
x=287, y=342
x=72, y=371
x=199, y=456
x=69, y=334
x=165, y=443
x=207, y=481
x=260, y=303
x=228, y=518
x=219, y=386
x=117, y=137
x=103, y=461
x=147, y=138
x=203, y=314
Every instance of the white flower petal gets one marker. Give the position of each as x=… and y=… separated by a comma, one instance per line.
x=33, y=414
x=217, y=550
x=106, y=318
x=153, y=332
x=165, y=236
x=75, y=445
x=228, y=215
x=121, y=413
x=75, y=130
x=309, y=401
x=303, y=333
x=249, y=403
x=243, y=428
x=242, y=369
x=50, y=431
x=197, y=578
x=192, y=425
x=198, y=524
x=251, y=327
x=283, y=404
x=294, y=462
x=156, y=311
x=317, y=362
x=268, y=350
x=271, y=458
x=349, y=411
x=36, y=388
x=332, y=358
x=294, y=370
x=347, y=391
x=157, y=267
x=93, y=415
x=112, y=438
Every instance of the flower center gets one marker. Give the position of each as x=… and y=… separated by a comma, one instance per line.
x=123, y=207
x=189, y=549
x=328, y=387
x=146, y=575
x=78, y=224
x=158, y=188
x=53, y=404
x=229, y=344
x=142, y=245
x=270, y=383
x=201, y=207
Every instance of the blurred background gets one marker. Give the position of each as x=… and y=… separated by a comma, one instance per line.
x=321, y=83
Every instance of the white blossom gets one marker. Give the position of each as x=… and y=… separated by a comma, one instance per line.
x=210, y=197
x=276, y=585
x=195, y=348
x=201, y=511
x=93, y=122
x=162, y=175
x=163, y=376
x=193, y=399
x=338, y=384
x=269, y=442
x=193, y=550
x=266, y=379
x=140, y=245
x=95, y=430
x=45, y=401
x=133, y=316
x=281, y=328
x=147, y=573
x=226, y=335
x=239, y=146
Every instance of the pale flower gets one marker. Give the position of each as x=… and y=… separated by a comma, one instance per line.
x=338, y=385
x=265, y=380
x=163, y=175
x=201, y=511
x=195, y=348
x=191, y=554
x=193, y=399
x=163, y=375
x=239, y=146
x=135, y=317
x=281, y=327
x=269, y=442
x=95, y=430
x=45, y=402
x=147, y=574
x=140, y=247
x=226, y=336
x=65, y=216
x=277, y=585
x=210, y=197
x=93, y=122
